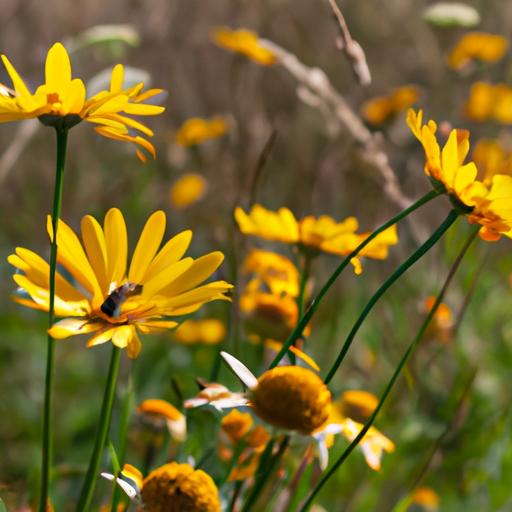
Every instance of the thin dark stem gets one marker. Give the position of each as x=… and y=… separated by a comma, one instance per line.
x=62, y=137
x=406, y=265
x=84, y=504
x=330, y=472
x=297, y=332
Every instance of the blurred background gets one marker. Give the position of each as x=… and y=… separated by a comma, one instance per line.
x=450, y=417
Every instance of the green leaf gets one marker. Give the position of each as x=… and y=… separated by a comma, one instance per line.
x=105, y=34
x=113, y=457
x=451, y=14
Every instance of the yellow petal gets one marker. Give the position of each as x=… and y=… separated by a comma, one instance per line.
x=139, y=109
x=95, y=247
x=71, y=327
x=73, y=97
x=134, y=345
x=116, y=240
x=17, y=82
x=117, y=79
x=102, y=337
x=122, y=336
x=166, y=276
x=57, y=68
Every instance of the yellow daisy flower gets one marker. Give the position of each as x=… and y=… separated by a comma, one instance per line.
x=196, y=130
x=491, y=159
x=114, y=302
x=61, y=102
x=488, y=206
x=314, y=234
x=477, y=46
x=379, y=109
x=489, y=102
x=187, y=190
x=245, y=42
x=357, y=404
x=209, y=331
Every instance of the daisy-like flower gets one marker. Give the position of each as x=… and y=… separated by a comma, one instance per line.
x=187, y=190
x=356, y=404
x=172, y=487
x=157, y=412
x=196, y=130
x=208, y=331
x=491, y=158
x=314, y=234
x=489, y=102
x=479, y=46
x=489, y=206
x=62, y=102
x=245, y=42
x=107, y=299
x=378, y=110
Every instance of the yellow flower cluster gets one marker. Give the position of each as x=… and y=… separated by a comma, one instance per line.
x=487, y=205
x=379, y=109
x=61, y=101
x=488, y=102
x=314, y=234
x=479, y=46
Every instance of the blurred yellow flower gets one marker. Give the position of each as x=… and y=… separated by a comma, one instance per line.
x=425, y=497
x=442, y=324
x=157, y=409
x=487, y=206
x=491, y=159
x=245, y=42
x=196, y=130
x=187, y=190
x=209, y=331
x=61, y=102
x=477, y=46
x=314, y=234
x=377, y=110
x=109, y=300
x=356, y=404
x=489, y=102
x=236, y=425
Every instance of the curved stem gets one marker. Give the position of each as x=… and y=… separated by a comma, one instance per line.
x=395, y=376
x=297, y=332
x=408, y=263
x=62, y=137
x=84, y=503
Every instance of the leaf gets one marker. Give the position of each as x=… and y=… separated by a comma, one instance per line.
x=103, y=34
x=113, y=457
x=451, y=14
x=3, y=508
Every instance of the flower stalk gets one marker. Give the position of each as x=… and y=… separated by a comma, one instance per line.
x=310, y=311
x=410, y=350
x=62, y=137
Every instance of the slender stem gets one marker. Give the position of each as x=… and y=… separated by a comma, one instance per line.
x=306, y=269
x=395, y=376
x=62, y=137
x=297, y=332
x=264, y=474
x=408, y=263
x=84, y=504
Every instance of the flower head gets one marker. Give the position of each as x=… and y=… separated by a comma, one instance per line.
x=314, y=234
x=109, y=300
x=357, y=404
x=491, y=158
x=477, y=46
x=378, y=110
x=196, y=130
x=187, y=190
x=245, y=42
x=425, y=497
x=209, y=331
x=157, y=410
x=489, y=102
x=61, y=101
x=443, y=321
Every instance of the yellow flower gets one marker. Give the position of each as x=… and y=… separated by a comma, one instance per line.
x=488, y=206
x=426, y=497
x=487, y=101
x=245, y=42
x=109, y=300
x=477, y=46
x=61, y=101
x=157, y=409
x=314, y=233
x=377, y=110
x=236, y=425
x=443, y=321
x=196, y=130
x=208, y=330
x=491, y=159
x=187, y=190
x=357, y=404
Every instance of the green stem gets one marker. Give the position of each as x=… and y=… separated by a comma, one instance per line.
x=62, y=137
x=84, y=504
x=395, y=376
x=306, y=269
x=297, y=332
x=264, y=474
x=408, y=263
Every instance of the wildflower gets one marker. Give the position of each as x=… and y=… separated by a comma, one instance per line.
x=187, y=190
x=61, y=102
x=491, y=159
x=426, y=497
x=378, y=110
x=357, y=404
x=443, y=321
x=487, y=206
x=158, y=411
x=314, y=234
x=209, y=331
x=196, y=130
x=477, y=46
x=172, y=487
x=288, y=397
x=113, y=303
x=236, y=425
x=489, y=102
x=245, y=42
x=216, y=395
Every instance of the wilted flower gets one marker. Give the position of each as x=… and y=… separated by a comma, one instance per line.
x=209, y=331
x=477, y=46
x=379, y=109
x=161, y=411
x=487, y=206
x=245, y=42
x=196, y=130
x=109, y=300
x=187, y=190
x=314, y=234
x=489, y=102
x=61, y=101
